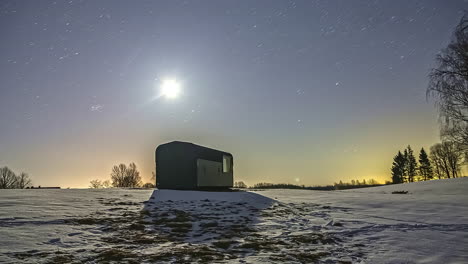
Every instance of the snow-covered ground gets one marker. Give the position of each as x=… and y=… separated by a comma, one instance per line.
x=372, y=225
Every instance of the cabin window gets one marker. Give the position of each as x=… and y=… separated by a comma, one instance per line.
x=227, y=164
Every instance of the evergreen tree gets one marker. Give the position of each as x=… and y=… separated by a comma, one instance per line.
x=398, y=168
x=405, y=170
x=411, y=164
x=425, y=167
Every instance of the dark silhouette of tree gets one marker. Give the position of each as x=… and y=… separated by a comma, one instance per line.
x=153, y=177
x=132, y=176
x=118, y=175
x=447, y=159
x=437, y=160
x=411, y=164
x=7, y=178
x=425, y=167
x=23, y=180
x=356, y=184
x=95, y=184
x=398, y=168
x=123, y=176
x=405, y=174
x=266, y=185
x=438, y=171
x=148, y=185
x=98, y=184
x=449, y=86
x=372, y=182
x=106, y=184
x=240, y=184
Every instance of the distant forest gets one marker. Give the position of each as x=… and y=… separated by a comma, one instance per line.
x=336, y=186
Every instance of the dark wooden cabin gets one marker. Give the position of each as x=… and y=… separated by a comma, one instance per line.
x=186, y=166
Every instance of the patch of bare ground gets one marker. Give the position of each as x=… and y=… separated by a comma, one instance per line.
x=302, y=257
x=115, y=254
x=224, y=243
x=259, y=245
x=31, y=254
x=174, y=221
x=313, y=238
x=189, y=254
x=61, y=257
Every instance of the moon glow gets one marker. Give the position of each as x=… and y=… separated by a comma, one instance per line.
x=170, y=89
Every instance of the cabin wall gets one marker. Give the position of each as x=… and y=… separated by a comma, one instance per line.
x=178, y=167
x=174, y=168
x=210, y=174
x=211, y=160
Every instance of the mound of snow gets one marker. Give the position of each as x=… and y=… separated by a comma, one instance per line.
x=454, y=186
x=252, y=199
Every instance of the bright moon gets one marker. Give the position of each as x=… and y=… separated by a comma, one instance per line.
x=170, y=89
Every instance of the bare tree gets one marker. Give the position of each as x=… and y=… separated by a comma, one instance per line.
x=372, y=182
x=148, y=185
x=123, y=176
x=95, y=184
x=153, y=177
x=106, y=184
x=447, y=159
x=240, y=184
x=7, y=178
x=436, y=163
x=132, y=176
x=118, y=175
x=23, y=181
x=449, y=86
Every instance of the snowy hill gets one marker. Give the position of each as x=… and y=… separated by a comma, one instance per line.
x=456, y=186
x=427, y=225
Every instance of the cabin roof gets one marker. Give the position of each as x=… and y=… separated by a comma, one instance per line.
x=192, y=145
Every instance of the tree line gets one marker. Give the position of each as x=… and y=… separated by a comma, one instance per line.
x=444, y=161
x=266, y=185
x=353, y=184
x=11, y=180
x=123, y=176
x=337, y=186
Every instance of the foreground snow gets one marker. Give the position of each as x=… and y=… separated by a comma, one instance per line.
x=427, y=225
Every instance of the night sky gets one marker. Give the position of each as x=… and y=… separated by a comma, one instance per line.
x=307, y=92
